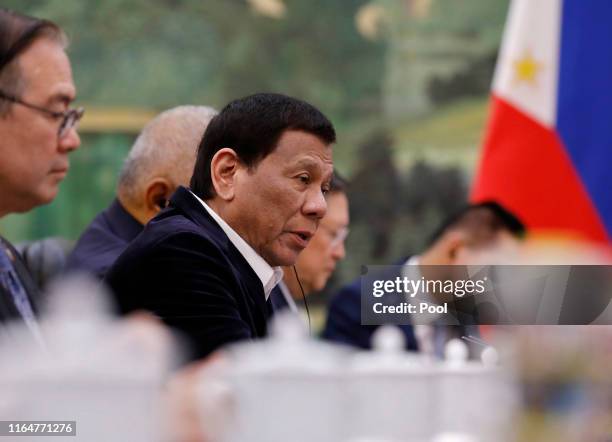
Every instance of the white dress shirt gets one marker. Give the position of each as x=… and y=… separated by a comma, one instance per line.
x=268, y=275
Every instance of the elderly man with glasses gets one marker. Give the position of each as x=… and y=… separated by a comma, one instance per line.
x=37, y=133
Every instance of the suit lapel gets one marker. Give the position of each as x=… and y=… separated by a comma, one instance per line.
x=184, y=201
x=189, y=206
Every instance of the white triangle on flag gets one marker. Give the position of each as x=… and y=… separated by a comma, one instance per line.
x=527, y=69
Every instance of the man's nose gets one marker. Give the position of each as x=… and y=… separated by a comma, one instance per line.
x=339, y=252
x=71, y=141
x=315, y=204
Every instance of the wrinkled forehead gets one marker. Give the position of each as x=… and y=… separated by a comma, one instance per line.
x=297, y=149
x=313, y=160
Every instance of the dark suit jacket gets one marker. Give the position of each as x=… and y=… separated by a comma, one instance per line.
x=8, y=309
x=344, y=318
x=185, y=270
x=103, y=240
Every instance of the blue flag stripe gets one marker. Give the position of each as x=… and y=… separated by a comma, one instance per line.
x=584, y=113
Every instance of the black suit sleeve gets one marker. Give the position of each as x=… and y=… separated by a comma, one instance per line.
x=186, y=281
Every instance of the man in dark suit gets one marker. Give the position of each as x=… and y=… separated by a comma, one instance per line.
x=160, y=160
x=38, y=132
x=472, y=234
x=207, y=264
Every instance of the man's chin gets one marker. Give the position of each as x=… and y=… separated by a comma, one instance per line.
x=46, y=196
x=282, y=258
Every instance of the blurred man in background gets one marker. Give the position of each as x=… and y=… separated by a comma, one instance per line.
x=478, y=234
x=38, y=132
x=161, y=159
x=317, y=262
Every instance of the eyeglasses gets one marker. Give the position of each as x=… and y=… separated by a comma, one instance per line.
x=337, y=236
x=69, y=117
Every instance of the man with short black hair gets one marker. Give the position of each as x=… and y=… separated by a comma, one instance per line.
x=207, y=264
x=38, y=133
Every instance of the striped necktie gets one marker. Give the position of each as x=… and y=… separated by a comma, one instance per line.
x=11, y=283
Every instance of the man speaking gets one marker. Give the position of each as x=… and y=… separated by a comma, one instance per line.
x=207, y=264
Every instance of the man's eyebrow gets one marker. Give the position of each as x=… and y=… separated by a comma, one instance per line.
x=61, y=97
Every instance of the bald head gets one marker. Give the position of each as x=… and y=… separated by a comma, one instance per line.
x=161, y=159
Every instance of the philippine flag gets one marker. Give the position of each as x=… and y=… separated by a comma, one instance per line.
x=548, y=146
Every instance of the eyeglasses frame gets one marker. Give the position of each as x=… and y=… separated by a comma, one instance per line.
x=69, y=117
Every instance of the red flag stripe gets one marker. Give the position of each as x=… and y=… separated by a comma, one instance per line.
x=525, y=167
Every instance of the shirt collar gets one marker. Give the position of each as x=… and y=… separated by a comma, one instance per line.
x=268, y=275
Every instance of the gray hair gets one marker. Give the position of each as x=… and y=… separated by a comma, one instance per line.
x=166, y=147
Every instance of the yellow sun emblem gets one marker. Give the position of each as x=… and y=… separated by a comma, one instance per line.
x=526, y=69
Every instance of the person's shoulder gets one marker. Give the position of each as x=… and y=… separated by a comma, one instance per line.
x=353, y=288
x=173, y=247
x=172, y=239
x=351, y=292
x=96, y=238
x=347, y=297
x=174, y=226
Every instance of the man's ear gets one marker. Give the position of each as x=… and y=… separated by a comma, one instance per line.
x=223, y=168
x=453, y=241
x=157, y=194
